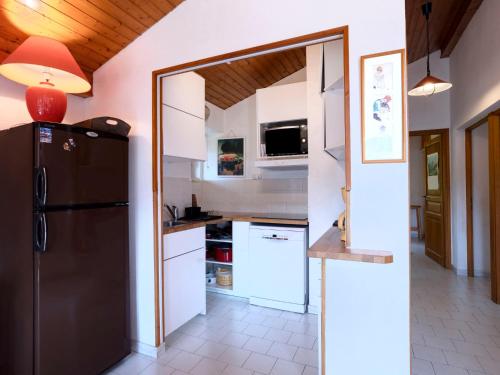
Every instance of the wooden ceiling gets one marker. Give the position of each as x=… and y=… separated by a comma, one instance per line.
x=228, y=84
x=447, y=22
x=93, y=30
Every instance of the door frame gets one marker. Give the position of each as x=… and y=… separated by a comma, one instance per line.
x=445, y=136
x=492, y=120
x=157, y=136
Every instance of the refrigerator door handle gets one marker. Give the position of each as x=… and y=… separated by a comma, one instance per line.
x=41, y=234
x=41, y=186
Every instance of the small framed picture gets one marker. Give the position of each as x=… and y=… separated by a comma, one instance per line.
x=383, y=121
x=231, y=157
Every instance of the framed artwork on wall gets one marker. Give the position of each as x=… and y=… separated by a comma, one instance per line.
x=383, y=120
x=231, y=157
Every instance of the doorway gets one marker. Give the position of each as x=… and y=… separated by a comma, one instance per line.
x=482, y=148
x=430, y=192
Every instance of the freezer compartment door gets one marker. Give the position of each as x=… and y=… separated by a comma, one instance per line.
x=81, y=292
x=73, y=168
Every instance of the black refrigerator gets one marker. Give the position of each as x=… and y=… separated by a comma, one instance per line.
x=64, y=260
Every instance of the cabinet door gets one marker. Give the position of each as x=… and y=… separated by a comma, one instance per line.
x=282, y=103
x=184, y=288
x=183, y=135
x=185, y=92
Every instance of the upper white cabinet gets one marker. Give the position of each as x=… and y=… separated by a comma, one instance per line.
x=282, y=103
x=334, y=64
x=183, y=116
x=185, y=92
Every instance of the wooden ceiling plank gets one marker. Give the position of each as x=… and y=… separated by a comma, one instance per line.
x=230, y=73
x=289, y=66
x=51, y=28
x=136, y=12
x=107, y=46
x=87, y=21
x=223, y=81
x=249, y=69
x=225, y=97
x=164, y=6
x=110, y=20
x=111, y=9
x=450, y=41
x=150, y=9
x=175, y=3
x=94, y=18
x=262, y=69
x=301, y=55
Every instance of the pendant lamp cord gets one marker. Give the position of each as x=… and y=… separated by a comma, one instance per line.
x=426, y=9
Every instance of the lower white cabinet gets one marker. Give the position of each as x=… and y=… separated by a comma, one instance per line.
x=241, y=269
x=183, y=277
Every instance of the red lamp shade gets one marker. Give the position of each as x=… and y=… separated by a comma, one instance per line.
x=50, y=70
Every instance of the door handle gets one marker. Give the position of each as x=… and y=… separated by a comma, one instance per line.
x=41, y=234
x=41, y=186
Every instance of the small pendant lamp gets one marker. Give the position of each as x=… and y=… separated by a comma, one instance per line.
x=429, y=85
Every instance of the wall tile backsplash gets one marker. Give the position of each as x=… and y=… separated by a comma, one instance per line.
x=177, y=192
x=245, y=195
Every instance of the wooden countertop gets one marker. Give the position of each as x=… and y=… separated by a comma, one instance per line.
x=250, y=217
x=329, y=246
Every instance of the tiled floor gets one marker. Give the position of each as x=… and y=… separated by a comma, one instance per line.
x=455, y=331
x=235, y=338
x=455, y=326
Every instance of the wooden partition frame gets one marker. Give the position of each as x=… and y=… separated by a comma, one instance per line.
x=157, y=135
x=445, y=133
x=493, y=123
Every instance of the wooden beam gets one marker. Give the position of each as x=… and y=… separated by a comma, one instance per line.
x=458, y=27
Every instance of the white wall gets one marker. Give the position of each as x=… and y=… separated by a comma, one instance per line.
x=122, y=88
x=14, y=111
x=480, y=201
x=476, y=91
x=417, y=179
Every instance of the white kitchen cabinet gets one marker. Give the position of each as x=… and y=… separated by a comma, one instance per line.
x=182, y=242
x=314, y=285
x=241, y=271
x=185, y=92
x=183, y=135
x=184, y=277
x=282, y=103
x=334, y=64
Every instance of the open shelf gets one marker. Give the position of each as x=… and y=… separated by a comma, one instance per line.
x=219, y=240
x=211, y=261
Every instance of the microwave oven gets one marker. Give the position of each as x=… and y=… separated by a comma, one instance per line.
x=285, y=138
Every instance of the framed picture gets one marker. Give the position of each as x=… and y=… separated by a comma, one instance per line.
x=231, y=157
x=383, y=122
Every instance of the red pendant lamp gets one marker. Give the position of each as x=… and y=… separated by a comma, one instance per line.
x=49, y=70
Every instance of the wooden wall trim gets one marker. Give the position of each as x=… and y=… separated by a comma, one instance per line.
x=310, y=39
x=468, y=202
x=347, y=119
x=323, y=316
x=494, y=174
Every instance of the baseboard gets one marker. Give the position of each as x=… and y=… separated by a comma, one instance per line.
x=311, y=309
x=293, y=307
x=149, y=350
x=463, y=272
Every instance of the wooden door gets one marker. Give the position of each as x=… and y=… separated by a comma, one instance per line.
x=435, y=205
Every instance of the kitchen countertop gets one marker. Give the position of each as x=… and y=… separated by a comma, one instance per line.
x=330, y=246
x=251, y=217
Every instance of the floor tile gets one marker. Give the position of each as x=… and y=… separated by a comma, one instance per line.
x=256, y=344
x=278, y=335
x=235, y=356
x=235, y=339
x=441, y=369
x=208, y=366
x=429, y=354
x=283, y=367
x=311, y=371
x=304, y=341
x=256, y=330
x=133, y=364
x=306, y=357
x=185, y=361
x=421, y=367
x=212, y=349
x=232, y=370
x=283, y=351
x=157, y=369
x=185, y=342
x=465, y=361
x=260, y=363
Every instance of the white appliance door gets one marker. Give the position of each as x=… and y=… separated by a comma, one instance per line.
x=184, y=287
x=278, y=264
